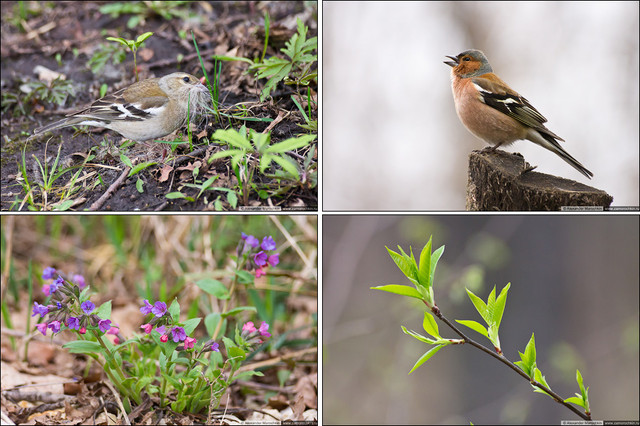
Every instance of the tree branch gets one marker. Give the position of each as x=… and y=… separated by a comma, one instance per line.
x=511, y=365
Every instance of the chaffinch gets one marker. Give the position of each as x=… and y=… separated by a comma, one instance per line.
x=494, y=112
x=148, y=109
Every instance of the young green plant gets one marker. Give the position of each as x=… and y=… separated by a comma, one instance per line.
x=421, y=275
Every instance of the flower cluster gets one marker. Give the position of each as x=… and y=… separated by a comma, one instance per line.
x=65, y=312
x=259, y=252
x=161, y=316
x=250, y=333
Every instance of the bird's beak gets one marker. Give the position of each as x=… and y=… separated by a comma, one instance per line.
x=455, y=62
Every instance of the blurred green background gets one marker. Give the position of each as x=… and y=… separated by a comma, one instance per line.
x=574, y=282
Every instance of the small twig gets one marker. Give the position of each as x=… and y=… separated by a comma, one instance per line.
x=511, y=365
x=114, y=186
x=117, y=395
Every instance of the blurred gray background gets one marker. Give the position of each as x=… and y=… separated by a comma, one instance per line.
x=574, y=282
x=391, y=136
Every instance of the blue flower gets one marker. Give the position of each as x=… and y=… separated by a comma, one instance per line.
x=88, y=307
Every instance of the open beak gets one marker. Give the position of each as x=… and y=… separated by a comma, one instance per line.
x=453, y=63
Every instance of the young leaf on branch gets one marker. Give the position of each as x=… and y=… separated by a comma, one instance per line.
x=422, y=277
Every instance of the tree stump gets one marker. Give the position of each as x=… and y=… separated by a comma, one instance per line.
x=497, y=183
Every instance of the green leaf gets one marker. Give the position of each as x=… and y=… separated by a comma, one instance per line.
x=84, y=295
x=576, y=400
x=481, y=307
x=174, y=310
x=475, y=326
x=431, y=352
x=211, y=321
x=213, y=287
x=104, y=311
x=402, y=290
x=424, y=271
x=237, y=353
x=191, y=325
x=163, y=361
x=538, y=377
x=141, y=383
x=584, y=392
x=239, y=309
x=528, y=357
x=417, y=336
x=403, y=262
x=83, y=347
x=499, y=305
x=434, y=262
x=430, y=325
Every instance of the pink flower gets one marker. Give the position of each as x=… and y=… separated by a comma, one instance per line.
x=113, y=330
x=42, y=328
x=263, y=329
x=164, y=338
x=248, y=327
x=83, y=330
x=147, y=328
x=116, y=341
x=274, y=259
x=45, y=289
x=189, y=342
x=260, y=272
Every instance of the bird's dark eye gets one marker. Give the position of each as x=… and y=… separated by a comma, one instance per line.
x=466, y=58
x=185, y=79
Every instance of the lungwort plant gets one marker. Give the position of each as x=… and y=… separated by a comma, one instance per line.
x=167, y=360
x=421, y=275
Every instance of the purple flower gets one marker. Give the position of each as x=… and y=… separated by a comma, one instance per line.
x=260, y=258
x=59, y=282
x=214, y=347
x=146, y=309
x=59, y=305
x=73, y=323
x=250, y=240
x=79, y=280
x=42, y=328
x=45, y=289
x=263, y=329
x=268, y=243
x=104, y=325
x=274, y=259
x=159, y=309
x=54, y=326
x=87, y=306
x=39, y=309
x=48, y=273
x=178, y=334
x=160, y=329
